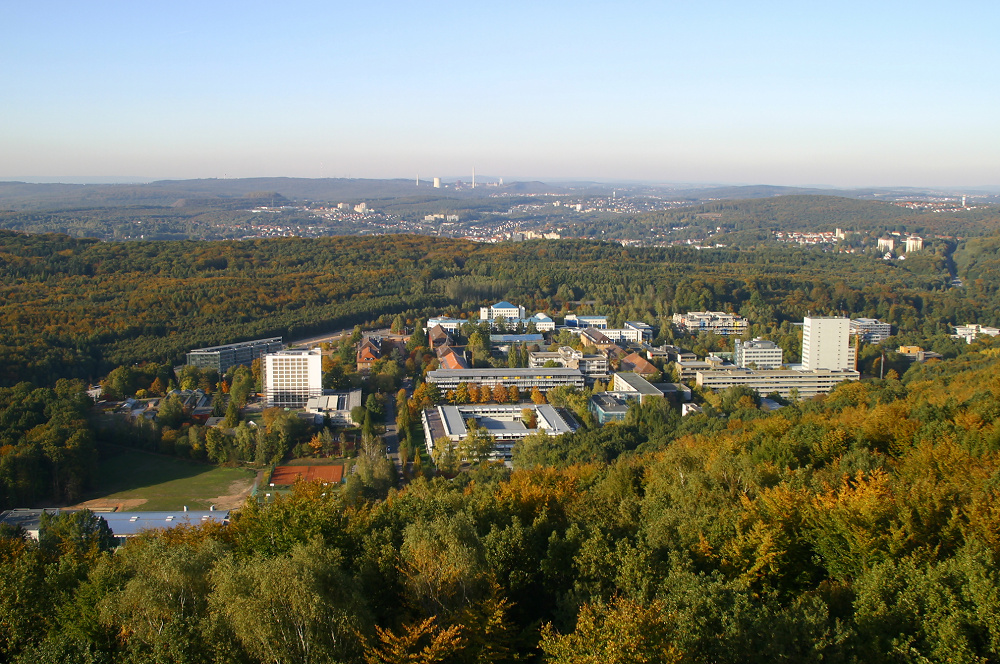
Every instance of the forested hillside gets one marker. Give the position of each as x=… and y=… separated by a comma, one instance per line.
x=77, y=308
x=861, y=527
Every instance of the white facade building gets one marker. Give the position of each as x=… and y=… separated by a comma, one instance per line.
x=970, y=331
x=504, y=423
x=806, y=383
x=572, y=320
x=914, y=243
x=760, y=353
x=292, y=377
x=504, y=310
x=826, y=343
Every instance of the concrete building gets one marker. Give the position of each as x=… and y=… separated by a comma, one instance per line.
x=450, y=325
x=572, y=320
x=608, y=407
x=503, y=422
x=292, y=377
x=970, y=331
x=914, y=243
x=826, y=343
x=717, y=322
x=336, y=406
x=634, y=386
x=593, y=367
x=870, y=330
x=221, y=358
x=760, y=353
x=504, y=310
x=123, y=525
x=524, y=379
x=806, y=382
x=688, y=369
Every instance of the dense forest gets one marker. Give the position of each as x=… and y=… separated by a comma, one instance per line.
x=76, y=308
x=858, y=527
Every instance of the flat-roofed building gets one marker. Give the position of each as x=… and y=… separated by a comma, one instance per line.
x=688, y=369
x=450, y=325
x=634, y=386
x=337, y=406
x=292, y=377
x=757, y=354
x=871, y=330
x=970, y=331
x=123, y=525
x=608, y=407
x=805, y=382
x=599, y=322
x=503, y=422
x=826, y=343
x=503, y=310
x=524, y=379
x=718, y=322
x=221, y=358
x=594, y=367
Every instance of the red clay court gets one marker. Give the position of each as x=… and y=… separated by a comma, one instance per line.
x=287, y=475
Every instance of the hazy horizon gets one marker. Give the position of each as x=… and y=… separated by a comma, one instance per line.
x=885, y=95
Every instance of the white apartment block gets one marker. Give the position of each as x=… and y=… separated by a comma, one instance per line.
x=914, y=243
x=292, y=377
x=759, y=353
x=806, y=383
x=504, y=310
x=826, y=343
x=718, y=322
x=634, y=331
x=572, y=320
x=870, y=330
x=887, y=244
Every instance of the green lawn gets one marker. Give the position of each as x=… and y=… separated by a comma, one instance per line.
x=164, y=482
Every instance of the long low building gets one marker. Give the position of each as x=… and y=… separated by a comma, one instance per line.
x=503, y=422
x=524, y=379
x=123, y=525
x=806, y=382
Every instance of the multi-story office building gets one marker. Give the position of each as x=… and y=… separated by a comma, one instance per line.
x=504, y=310
x=292, y=377
x=572, y=320
x=718, y=322
x=826, y=343
x=757, y=354
x=221, y=358
x=594, y=367
x=806, y=383
x=524, y=379
x=870, y=330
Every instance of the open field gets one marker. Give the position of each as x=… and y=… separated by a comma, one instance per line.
x=135, y=480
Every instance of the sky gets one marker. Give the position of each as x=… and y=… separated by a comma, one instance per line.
x=793, y=93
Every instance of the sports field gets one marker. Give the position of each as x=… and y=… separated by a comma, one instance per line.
x=133, y=480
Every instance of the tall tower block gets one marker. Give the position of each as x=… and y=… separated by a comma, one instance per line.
x=825, y=343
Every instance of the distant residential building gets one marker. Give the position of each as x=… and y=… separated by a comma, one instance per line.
x=449, y=358
x=759, y=353
x=504, y=422
x=336, y=406
x=914, y=243
x=292, y=377
x=572, y=320
x=369, y=352
x=361, y=207
x=826, y=343
x=717, y=322
x=438, y=336
x=806, y=382
x=592, y=336
x=870, y=330
x=887, y=244
x=221, y=358
x=524, y=379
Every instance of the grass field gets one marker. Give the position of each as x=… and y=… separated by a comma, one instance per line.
x=161, y=482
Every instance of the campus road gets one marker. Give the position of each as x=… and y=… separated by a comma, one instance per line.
x=337, y=336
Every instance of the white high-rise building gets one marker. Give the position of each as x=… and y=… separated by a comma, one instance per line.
x=826, y=343
x=292, y=377
x=759, y=353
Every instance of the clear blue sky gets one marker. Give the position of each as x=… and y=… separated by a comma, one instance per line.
x=846, y=93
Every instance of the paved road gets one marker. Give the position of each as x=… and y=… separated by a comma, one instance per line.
x=335, y=336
